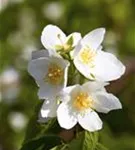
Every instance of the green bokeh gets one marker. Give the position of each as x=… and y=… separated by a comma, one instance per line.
x=21, y=24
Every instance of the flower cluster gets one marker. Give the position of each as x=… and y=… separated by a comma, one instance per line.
x=65, y=62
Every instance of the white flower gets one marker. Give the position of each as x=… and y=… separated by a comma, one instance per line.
x=94, y=63
x=50, y=73
x=49, y=107
x=81, y=103
x=54, y=39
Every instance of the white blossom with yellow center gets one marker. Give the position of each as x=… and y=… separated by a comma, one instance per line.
x=94, y=63
x=80, y=103
x=55, y=40
x=50, y=73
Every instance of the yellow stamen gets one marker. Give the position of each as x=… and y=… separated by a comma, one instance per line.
x=55, y=74
x=82, y=101
x=87, y=56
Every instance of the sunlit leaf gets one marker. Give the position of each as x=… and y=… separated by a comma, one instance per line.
x=84, y=141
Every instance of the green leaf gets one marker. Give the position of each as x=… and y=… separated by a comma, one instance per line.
x=38, y=134
x=60, y=147
x=45, y=143
x=41, y=136
x=92, y=76
x=70, y=41
x=100, y=147
x=36, y=129
x=84, y=141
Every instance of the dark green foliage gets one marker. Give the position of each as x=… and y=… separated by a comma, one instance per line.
x=42, y=143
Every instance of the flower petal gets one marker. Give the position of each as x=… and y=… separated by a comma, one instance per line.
x=38, y=67
x=69, y=89
x=90, y=121
x=66, y=117
x=41, y=119
x=49, y=108
x=40, y=53
x=77, y=49
x=93, y=86
x=47, y=91
x=108, y=67
x=105, y=102
x=94, y=38
x=60, y=61
x=84, y=69
x=52, y=36
x=67, y=93
x=66, y=75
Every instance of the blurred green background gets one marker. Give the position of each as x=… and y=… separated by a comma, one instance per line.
x=21, y=24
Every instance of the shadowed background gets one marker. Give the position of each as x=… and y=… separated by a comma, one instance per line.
x=21, y=24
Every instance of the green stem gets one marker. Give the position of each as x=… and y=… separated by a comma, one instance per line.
x=71, y=74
